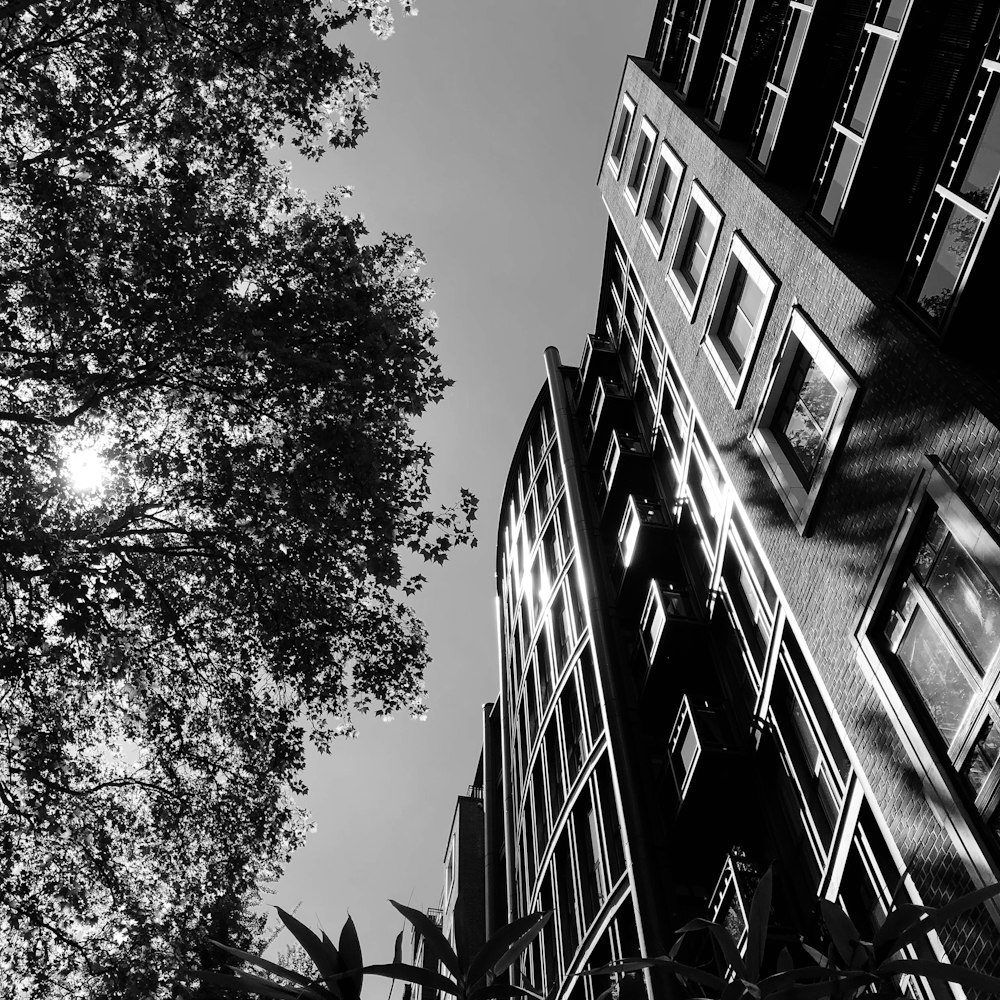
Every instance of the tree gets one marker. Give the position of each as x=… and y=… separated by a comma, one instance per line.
x=243, y=367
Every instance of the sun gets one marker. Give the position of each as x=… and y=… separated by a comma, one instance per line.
x=86, y=470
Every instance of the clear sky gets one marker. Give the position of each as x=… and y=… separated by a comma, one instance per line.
x=484, y=144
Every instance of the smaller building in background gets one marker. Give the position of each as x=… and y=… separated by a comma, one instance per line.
x=461, y=912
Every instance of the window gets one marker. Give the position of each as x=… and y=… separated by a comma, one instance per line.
x=960, y=208
x=932, y=630
x=640, y=164
x=741, y=307
x=662, y=197
x=859, y=102
x=779, y=84
x=622, y=130
x=811, y=751
x=694, y=249
x=725, y=72
x=692, y=44
x=803, y=416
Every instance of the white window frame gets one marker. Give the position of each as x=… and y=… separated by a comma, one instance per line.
x=800, y=498
x=634, y=192
x=688, y=298
x=627, y=107
x=937, y=773
x=666, y=161
x=734, y=380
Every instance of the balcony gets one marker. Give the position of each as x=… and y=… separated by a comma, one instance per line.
x=670, y=632
x=710, y=777
x=646, y=545
x=626, y=469
x=600, y=360
x=610, y=403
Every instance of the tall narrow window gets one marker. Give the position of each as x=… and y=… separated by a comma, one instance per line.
x=623, y=129
x=662, y=197
x=694, y=249
x=961, y=207
x=640, y=164
x=864, y=87
x=741, y=309
x=779, y=83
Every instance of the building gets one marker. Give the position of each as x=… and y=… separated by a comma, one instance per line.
x=461, y=911
x=748, y=562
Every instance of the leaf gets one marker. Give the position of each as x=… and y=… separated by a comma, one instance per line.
x=817, y=991
x=816, y=955
x=730, y=951
x=328, y=964
x=785, y=963
x=415, y=974
x=433, y=938
x=960, y=974
x=943, y=914
x=696, y=975
x=263, y=963
x=397, y=951
x=734, y=990
x=780, y=981
x=263, y=987
x=842, y=930
x=757, y=922
x=897, y=922
x=350, y=955
x=504, y=947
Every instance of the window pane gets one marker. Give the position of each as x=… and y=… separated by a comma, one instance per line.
x=663, y=197
x=892, y=16
x=839, y=172
x=983, y=756
x=957, y=230
x=695, y=256
x=772, y=116
x=984, y=167
x=969, y=600
x=945, y=689
x=878, y=50
x=791, y=48
x=810, y=402
x=639, y=161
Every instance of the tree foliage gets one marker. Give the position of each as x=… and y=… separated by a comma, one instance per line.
x=246, y=365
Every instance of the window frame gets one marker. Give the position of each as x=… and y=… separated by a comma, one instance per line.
x=943, y=785
x=780, y=80
x=667, y=161
x=734, y=379
x=800, y=497
x=622, y=134
x=634, y=191
x=846, y=134
x=698, y=199
x=980, y=105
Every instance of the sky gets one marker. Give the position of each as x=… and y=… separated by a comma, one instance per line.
x=484, y=144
